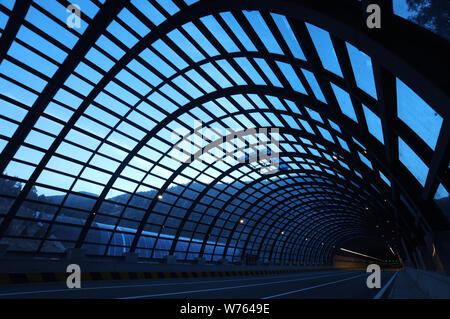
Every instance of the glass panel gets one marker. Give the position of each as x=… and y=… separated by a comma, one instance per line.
x=326, y=134
x=325, y=48
x=22, y=76
x=385, y=179
x=288, y=35
x=250, y=70
x=216, y=75
x=149, y=11
x=228, y=69
x=50, y=27
x=169, y=6
x=219, y=33
x=334, y=126
x=134, y=23
x=263, y=31
x=170, y=54
x=344, y=144
x=122, y=34
x=291, y=76
x=238, y=31
x=441, y=192
x=412, y=162
x=185, y=45
x=373, y=124
x=417, y=114
x=200, y=39
x=344, y=101
x=314, y=115
x=44, y=46
x=312, y=81
x=365, y=160
x=443, y=200
x=268, y=72
x=32, y=59
x=362, y=69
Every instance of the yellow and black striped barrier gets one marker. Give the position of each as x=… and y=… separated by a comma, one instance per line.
x=36, y=277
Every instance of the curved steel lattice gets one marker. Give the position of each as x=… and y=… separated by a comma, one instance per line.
x=306, y=138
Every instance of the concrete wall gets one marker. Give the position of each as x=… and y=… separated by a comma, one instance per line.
x=128, y=263
x=414, y=283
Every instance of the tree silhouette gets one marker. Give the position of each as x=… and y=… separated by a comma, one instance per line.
x=9, y=187
x=433, y=14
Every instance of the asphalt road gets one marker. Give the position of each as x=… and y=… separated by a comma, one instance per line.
x=326, y=284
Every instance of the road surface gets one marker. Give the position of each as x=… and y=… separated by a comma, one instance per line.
x=324, y=284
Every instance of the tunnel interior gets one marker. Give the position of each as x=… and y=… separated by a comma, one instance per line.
x=268, y=131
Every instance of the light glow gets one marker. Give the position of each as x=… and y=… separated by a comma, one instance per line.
x=356, y=253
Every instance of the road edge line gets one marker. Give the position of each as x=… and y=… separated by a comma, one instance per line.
x=383, y=290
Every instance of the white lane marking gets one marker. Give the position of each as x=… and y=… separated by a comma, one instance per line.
x=134, y=286
x=382, y=290
x=224, y=288
x=313, y=287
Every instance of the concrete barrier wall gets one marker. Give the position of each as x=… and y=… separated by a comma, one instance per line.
x=24, y=270
x=415, y=283
x=16, y=266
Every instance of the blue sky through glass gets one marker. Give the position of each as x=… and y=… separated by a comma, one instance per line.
x=325, y=48
x=412, y=162
x=373, y=124
x=259, y=25
x=362, y=69
x=417, y=114
x=344, y=101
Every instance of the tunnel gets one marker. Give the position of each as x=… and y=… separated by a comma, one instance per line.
x=170, y=138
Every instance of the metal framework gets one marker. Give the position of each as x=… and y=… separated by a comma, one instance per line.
x=86, y=119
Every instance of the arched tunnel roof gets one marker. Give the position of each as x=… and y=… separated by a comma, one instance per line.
x=219, y=129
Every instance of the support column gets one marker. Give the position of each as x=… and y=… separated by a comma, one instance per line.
x=170, y=259
x=75, y=254
x=421, y=263
x=408, y=260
